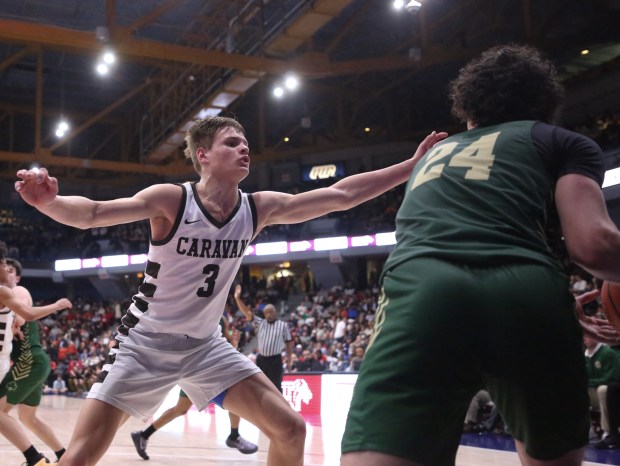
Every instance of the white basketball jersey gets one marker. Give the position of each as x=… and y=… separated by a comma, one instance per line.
x=189, y=274
x=6, y=331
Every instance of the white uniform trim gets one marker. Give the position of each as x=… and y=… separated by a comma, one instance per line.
x=6, y=330
x=6, y=340
x=189, y=274
x=170, y=334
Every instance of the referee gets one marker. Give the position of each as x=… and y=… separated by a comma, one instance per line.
x=273, y=338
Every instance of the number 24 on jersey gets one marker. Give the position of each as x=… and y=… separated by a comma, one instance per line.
x=478, y=157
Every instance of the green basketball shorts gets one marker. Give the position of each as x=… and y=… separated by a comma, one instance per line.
x=24, y=383
x=442, y=332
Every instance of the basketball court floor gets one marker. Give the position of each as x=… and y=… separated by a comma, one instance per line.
x=199, y=439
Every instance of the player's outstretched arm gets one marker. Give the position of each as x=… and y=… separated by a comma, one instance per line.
x=40, y=190
x=281, y=208
x=10, y=300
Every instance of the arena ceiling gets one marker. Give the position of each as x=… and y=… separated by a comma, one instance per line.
x=361, y=63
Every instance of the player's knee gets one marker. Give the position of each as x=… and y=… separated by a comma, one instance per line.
x=292, y=429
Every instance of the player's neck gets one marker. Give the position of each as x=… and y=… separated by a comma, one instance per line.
x=218, y=197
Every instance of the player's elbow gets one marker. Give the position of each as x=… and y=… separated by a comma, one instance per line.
x=26, y=315
x=88, y=217
x=598, y=251
x=586, y=256
x=347, y=199
x=87, y=221
x=81, y=221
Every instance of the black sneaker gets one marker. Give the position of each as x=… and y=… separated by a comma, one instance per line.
x=42, y=462
x=140, y=444
x=242, y=445
x=611, y=442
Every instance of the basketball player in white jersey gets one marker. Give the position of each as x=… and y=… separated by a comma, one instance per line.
x=9, y=327
x=14, y=298
x=9, y=323
x=170, y=334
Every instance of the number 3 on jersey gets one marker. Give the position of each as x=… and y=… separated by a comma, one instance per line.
x=211, y=271
x=478, y=157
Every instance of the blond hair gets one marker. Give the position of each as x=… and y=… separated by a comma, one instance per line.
x=202, y=134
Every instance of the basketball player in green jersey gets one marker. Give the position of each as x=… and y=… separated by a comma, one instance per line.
x=472, y=295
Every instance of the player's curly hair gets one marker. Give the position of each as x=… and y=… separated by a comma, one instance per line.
x=507, y=83
x=203, y=132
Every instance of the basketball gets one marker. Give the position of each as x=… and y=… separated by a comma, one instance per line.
x=610, y=298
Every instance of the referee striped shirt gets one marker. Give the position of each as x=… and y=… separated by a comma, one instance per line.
x=272, y=337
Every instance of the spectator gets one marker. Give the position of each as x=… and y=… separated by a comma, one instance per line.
x=59, y=387
x=304, y=362
x=603, y=367
x=341, y=328
x=479, y=402
x=612, y=441
x=317, y=362
x=357, y=359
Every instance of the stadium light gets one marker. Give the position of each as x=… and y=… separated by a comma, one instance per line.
x=61, y=128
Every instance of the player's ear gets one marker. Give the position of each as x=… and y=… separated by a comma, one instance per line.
x=201, y=154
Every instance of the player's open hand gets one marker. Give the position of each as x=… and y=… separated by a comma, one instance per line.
x=64, y=303
x=599, y=329
x=36, y=187
x=429, y=142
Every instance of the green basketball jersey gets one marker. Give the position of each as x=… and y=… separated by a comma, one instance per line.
x=24, y=349
x=481, y=197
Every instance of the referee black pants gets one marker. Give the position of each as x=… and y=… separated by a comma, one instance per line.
x=272, y=368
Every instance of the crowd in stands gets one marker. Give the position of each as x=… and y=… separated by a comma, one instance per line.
x=43, y=240
x=604, y=129
x=374, y=216
x=78, y=341
x=331, y=329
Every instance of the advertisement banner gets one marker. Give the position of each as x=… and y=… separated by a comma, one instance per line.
x=303, y=392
